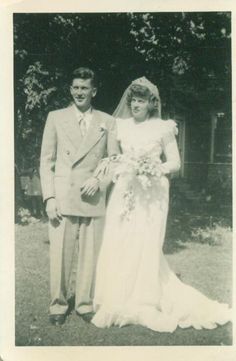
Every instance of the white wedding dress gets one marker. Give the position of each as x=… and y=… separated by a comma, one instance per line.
x=134, y=284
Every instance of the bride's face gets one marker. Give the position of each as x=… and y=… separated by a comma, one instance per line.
x=139, y=108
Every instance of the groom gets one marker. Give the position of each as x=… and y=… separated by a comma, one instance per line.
x=75, y=140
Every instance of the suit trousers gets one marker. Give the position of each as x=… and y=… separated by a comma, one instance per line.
x=74, y=248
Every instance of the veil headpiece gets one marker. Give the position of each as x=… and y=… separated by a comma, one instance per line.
x=123, y=110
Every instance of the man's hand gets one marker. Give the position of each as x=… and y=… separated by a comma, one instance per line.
x=90, y=187
x=53, y=210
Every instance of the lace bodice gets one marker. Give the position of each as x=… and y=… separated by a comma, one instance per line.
x=151, y=134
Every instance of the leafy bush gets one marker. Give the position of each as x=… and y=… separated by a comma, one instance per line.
x=220, y=187
x=24, y=217
x=215, y=235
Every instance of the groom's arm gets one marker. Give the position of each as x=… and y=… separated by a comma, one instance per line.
x=47, y=169
x=48, y=159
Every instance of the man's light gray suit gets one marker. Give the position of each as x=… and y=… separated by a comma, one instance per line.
x=67, y=161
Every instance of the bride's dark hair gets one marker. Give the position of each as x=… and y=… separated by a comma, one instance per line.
x=143, y=92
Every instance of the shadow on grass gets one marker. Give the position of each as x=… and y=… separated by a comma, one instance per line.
x=176, y=235
x=180, y=228
x=76, y=333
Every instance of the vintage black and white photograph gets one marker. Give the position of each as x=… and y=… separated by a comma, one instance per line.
x=123, y=178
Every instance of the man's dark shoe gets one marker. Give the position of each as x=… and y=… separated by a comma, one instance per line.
x=87, y=317
x=57, y=320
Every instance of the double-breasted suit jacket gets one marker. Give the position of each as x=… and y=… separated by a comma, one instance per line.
x=68, y=159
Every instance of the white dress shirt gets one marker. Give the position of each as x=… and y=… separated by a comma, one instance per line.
x=86, y=116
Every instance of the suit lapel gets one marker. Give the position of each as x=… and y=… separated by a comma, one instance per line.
x=71, y=127
x=93, y=135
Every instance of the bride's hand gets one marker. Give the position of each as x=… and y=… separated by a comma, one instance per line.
x=102, y=168
x=90, y=187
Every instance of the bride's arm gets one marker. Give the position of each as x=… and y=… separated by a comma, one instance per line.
x=171, y=152
x=113, y=145
x=106, y=167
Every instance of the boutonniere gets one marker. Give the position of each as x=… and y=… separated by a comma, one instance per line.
x=103, y=127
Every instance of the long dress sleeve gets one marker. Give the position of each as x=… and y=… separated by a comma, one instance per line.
x=170, y=149
x=112, y=141
x=105, y=169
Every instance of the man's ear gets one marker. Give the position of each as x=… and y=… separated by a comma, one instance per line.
x=94, y=92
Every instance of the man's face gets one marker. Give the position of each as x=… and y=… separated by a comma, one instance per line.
x=82, y=92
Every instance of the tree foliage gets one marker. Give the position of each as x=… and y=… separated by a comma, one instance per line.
x=186, y=54
x=191, y=52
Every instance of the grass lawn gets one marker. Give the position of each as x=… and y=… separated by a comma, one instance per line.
x=206, y=267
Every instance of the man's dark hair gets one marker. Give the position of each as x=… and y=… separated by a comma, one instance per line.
x=84, y=73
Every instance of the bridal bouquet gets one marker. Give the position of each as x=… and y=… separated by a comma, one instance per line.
x=140, y=169
x=139, y=166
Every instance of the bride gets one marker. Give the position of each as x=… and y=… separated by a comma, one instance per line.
x=134, y=283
